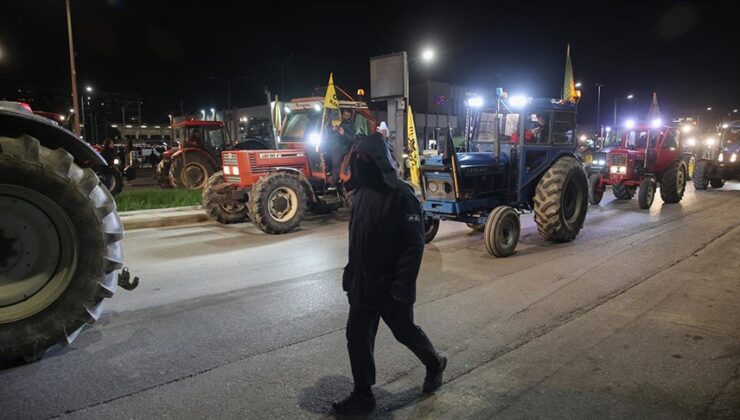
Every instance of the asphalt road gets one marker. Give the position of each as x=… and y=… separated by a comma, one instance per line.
x=639, y=317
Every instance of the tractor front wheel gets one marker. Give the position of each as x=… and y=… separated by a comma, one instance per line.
x=190, y=171
x=623, y=192
x=162, y=173
x=431, y=226
x=647, y=192
x=502, y=231
x=717, y=183
x=595, y=190
x=219, y=206
x=701, y=175
x=561, y=201
x=673, y=182
x=277, y=203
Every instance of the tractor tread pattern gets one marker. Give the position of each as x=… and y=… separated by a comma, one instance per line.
x=258, y=203
x=213, y=208
x=100, y=234
x=547, y=200
x=668, y=191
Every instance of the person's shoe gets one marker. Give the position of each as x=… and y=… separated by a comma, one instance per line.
x=355, y=405
x=433, y=380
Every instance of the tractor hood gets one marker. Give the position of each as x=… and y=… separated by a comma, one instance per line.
x=167, y=154
x=470, y=162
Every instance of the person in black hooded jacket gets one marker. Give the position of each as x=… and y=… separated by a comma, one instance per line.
x=386, y=244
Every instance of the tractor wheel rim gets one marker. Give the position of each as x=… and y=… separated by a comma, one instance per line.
x=282, y=204
x=428, y=225
x=194, y=175
x=692, y=166
x=680, y=180
x=650, y=193
x=38, y=252
x=506, y=235
x=233, y=208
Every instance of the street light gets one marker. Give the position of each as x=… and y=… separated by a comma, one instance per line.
x=578, y=85
x=88, y=88
x=628, y=97
x=203, y=113
x=709, y=108
x=428, y=55
x=213, y=114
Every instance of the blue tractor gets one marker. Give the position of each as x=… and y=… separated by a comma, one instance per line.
x=520, y=157
x=722, y=161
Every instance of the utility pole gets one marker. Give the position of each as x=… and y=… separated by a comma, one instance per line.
x=598, y=108
x=73, y=71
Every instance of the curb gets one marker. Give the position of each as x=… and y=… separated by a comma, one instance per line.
x=141, y=219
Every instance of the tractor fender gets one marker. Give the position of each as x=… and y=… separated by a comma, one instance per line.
x=16, y=121
x=198, y=151
x=304, y=181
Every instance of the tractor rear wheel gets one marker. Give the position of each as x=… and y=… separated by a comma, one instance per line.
x=218, y=206
x=595, y=192
x=60, y=246
x=502, y=231
x=623, y=192
x=277, y=203
x=561, y=200
x=162, y=173
x=701, y=175
x=190, y=171
x=717, y=183
x=431, y=226
x=673, y=182
x=690, y=167
x=647, y=192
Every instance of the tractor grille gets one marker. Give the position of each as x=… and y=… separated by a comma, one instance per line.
x=261, y=169
x=233, y=179
x=229, y=159
x=618, y=160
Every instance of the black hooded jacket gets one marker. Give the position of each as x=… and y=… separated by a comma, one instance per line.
x=386, y=231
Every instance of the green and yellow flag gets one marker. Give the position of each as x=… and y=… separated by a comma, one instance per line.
x=569, y=88
x=331, y=103
x=413, y=148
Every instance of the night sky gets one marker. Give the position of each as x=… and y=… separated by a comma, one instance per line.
x=165, y=51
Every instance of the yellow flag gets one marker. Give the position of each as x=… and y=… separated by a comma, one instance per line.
x=331, y=103
x=413, y=148
x=569, y=87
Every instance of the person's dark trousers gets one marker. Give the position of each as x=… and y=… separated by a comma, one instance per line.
x=362, y=326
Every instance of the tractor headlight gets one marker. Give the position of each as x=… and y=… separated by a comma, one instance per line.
x=721, y=157
x=433, y=187
x=709, y=142
x=601, y=162
x=116, y=161
x=733, y=158
x=315, y=138
x=691, y=142
x=618, y=170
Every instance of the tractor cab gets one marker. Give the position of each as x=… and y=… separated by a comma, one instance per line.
x=300, y=127
x=724, y=162
x=210, y=136
x=644, y=148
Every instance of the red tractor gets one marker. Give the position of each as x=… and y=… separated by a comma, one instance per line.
x=647, y=155
x=274, y=188
x=198, y=155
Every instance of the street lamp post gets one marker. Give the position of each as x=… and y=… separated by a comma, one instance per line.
x=427, y=56
x=73, y=74
x=89, y=90
x=628, y=97
x=598, y=107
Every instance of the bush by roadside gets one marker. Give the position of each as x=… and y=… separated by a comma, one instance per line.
x=156, y=198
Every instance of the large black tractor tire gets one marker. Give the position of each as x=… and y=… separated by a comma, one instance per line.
x=431, y=227
x=673, y=182
x=623, y=192
x=502, y=231
x=646, y=194
x=220, y=208
x=162, y=173
x=561, y=201
x=594, y=195
x=60, y=246
x=112, y=179
x=277, y=203
x=717, y=183
x=701, y=174
x=190, y=171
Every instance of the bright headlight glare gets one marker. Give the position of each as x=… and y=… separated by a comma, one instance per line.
x=475, y=102
x=116, y=161
x=601, y=162
x=709, y=142
x=618, y=169
x=721, y=157
x=733, y=157
x=629, y=123
x=691, y=142
x=314, y=138
x=686, y=128
x=518, y=101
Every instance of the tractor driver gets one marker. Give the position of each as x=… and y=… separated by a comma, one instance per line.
x=194, y=139
x=541, y=129
x=339, y=144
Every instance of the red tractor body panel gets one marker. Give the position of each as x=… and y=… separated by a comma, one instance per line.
x=245, y=167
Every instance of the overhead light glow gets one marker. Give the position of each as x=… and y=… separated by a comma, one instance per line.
x=608, y=129
x=428, y=55
x=691, y=142
x=687, y=128
x=657, y=123
x=518, y=101
x=314, y=138
x=316, y=107
x=475, y=102
x=629, y=123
